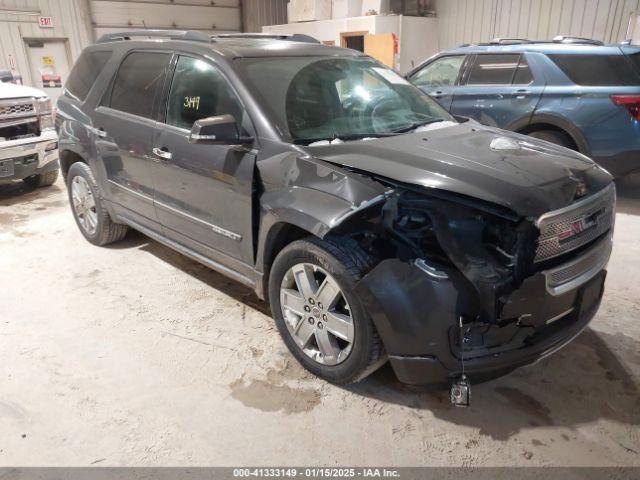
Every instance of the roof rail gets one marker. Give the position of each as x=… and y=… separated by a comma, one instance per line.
x=169, y=34
x=569, y=39
x=292, y=37
x=509, y=41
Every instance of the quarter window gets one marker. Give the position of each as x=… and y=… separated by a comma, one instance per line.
x=597, y=70
x=85, y=72
x=199, y=91
x=138, y=79
x=493, y=70
x=441, y=72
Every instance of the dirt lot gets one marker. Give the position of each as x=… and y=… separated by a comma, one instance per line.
x=135, y=355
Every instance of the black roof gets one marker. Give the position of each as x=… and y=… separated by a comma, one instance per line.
x=254, y=47
x=231, y=46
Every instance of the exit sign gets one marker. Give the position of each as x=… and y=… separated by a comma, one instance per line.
x=45, y=22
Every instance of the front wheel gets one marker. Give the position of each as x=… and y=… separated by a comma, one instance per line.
x=318, y=314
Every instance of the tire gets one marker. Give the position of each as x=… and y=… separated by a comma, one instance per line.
x=105, y=230
x=554, y=136
x=344, y=263
x=43, y=180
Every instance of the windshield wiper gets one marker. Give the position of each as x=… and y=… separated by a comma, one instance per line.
x=359, y=136
x=415, y=125
x=344, y=138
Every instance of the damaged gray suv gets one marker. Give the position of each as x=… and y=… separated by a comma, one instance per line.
x=378, y=226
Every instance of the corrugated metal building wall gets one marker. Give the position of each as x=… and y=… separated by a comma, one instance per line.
x=468, y=21
x=19, y=21
x=25, y=46
x=203, y=15
x=258, y=13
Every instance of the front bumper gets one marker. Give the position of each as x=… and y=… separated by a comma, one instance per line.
x=28, y=157
x=417, y=316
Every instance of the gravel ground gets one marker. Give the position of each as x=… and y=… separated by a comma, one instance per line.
x=135, y=355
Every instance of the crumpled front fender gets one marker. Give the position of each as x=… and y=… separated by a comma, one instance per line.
x=295, y=183
x=412, y=310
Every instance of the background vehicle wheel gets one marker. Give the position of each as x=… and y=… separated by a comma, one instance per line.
x=42, y=180
x=555, y=137
x=321, y=320
x=88, y=207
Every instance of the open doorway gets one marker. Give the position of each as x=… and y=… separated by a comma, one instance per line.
x=353, y=40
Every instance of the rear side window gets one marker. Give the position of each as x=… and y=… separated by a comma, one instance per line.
x=493, y=70
x=138, y=79
x=597, y=70
x=85, y=72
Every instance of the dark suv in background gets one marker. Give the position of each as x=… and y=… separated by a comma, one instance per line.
x=573, y=92
x=376, y=224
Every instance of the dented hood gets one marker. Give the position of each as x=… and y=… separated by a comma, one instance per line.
x=526, y=175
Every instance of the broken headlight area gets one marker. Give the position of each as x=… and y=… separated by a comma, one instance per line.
x=488, y=245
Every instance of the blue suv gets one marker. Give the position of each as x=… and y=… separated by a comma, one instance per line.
x=574, y=92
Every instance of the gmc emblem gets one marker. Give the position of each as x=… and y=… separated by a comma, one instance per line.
x=578, y=227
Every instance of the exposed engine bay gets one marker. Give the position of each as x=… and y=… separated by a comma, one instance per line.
x=491, y=246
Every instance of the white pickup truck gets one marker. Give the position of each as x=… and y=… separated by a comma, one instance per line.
x=28, y=140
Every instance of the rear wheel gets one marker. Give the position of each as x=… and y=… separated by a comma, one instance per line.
x=554, y=136
x=321, y=320
x=42, y=180
x=88, y=207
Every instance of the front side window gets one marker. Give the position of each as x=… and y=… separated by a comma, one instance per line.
x=320, y=98
x=199, y=91
x=85, y=72
x=597, y=70
x=493, y=69
x=442, y=72
x=138, y=79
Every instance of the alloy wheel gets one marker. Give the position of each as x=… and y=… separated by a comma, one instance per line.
x=84, y=205
x=317, y=314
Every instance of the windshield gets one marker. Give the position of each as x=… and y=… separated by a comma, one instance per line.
x=320, y=98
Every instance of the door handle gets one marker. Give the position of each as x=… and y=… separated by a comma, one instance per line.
x=521, y=94
x=162, y=153
x=437, y=94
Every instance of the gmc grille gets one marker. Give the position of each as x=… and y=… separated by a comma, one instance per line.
x=579, y=224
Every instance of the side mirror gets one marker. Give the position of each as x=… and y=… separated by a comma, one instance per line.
x=220, y=130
